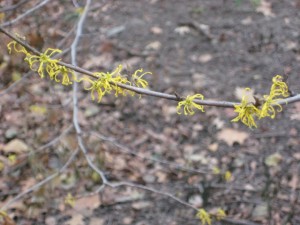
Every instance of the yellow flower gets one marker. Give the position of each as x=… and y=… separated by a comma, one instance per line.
x=96, y=86
x=107, y=82
x=118, y=90
x=227, y=176
x=204, y=217
x=64, y=73
x=16, y=46
x=220, y=214
x=189, y=104
x=138, y=80
x=216, y=170
x=43, y=61
x=246, y=112
x=267, y=109
x=70, y=200
x=279, y=87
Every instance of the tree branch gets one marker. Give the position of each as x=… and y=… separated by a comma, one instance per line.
x=143, y=91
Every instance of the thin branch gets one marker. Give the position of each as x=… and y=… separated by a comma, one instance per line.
x=75, y=98
x=139, y=186
x=8, y=23
x=41, y=183
x=164, y=162
x=13, y=85
x=53, y=141
x=143, y=91
x=12, y=7
x=47, y=145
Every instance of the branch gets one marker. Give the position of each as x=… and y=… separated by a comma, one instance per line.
x=12, y=7
x=13, y=85
x=164, y=162
x=8, y=23
x=143, y=91
x=41, y=183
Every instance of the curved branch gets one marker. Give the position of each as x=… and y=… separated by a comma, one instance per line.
x=143, y=91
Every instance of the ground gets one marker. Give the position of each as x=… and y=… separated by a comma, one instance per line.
x=211, y=47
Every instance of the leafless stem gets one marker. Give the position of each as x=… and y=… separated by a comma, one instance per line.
x=41, y=183
x=8, y=23
x=164, y=162
x=15, y=84
x=128, y=184
x=12, y=7
x=143, y=91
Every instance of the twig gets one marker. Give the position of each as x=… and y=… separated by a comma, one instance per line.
x=128, y=151
x=128, y=184
x=41, y=183
x=13, y=85
x=8, y=23
x=75, y=98
x=47, y=145
x=12, y=7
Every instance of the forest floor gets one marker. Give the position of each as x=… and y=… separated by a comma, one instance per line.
x=212, y=47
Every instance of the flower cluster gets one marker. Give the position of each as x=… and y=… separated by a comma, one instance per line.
x=248, y=111
x=206, y=218
x=102, y=83
x=107, y=82
x=44, y=64
x=189, y=105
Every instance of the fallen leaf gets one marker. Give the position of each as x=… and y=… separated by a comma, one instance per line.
x=213, y=147
x=273, y=160
x=96, y=221
x=50, y=220
x=156, y=30
x=127, y=220
x=77, y=219
x=87, y=203
x=218, y=123
x=249, y=187
x=38, y=109
x=104, y=60
x=204, y=58
x=156, y=45
x=248, y=20
x=260, y=211
x=16, y=146
x=231, y=136
x=265, y=8
x=141, y=205
x=182, y=30
x=296, y=111
x=196, y=200
x=294, y=182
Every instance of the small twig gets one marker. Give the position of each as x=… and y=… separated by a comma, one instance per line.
x=12, y=7
x=164, y=162
x=47, y=145
x=128, y=184
x=8, y=23
x=142, y=90
x=41, y=183
x=13, y=85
